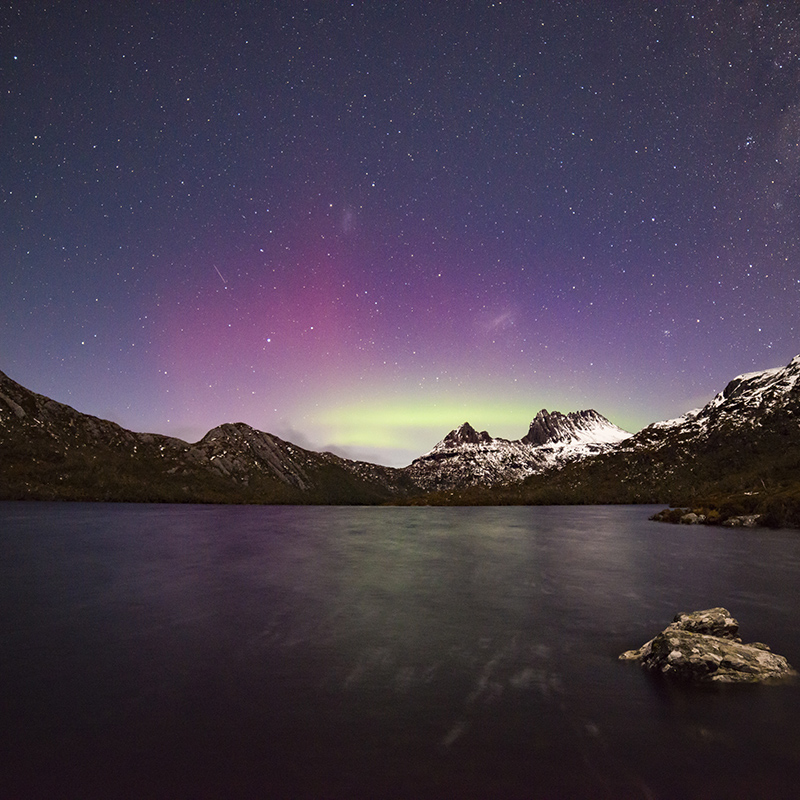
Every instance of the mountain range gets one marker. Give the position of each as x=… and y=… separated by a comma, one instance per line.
x=466, y=458
x=741, y=449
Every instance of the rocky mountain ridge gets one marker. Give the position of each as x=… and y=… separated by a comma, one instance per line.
x=466, y=457
x=738, y=455
x=746, y=400
x=577, y=427
x=48, y=450
x=766, y=401
x=55, y=451
x=745, y=443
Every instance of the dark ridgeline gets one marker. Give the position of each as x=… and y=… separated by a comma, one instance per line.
x=739, y=454
x=52, y=452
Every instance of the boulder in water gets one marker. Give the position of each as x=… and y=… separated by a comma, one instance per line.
x=704, y=646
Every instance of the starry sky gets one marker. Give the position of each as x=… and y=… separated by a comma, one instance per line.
x=356, y=225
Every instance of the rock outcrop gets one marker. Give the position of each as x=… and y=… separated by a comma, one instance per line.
x=578, y=426
x=704, y=646
x=686, y=516
x=466, y=434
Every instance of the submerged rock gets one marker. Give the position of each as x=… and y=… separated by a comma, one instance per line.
x=704, y=646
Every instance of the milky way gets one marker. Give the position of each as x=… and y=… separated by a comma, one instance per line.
x=357, y=225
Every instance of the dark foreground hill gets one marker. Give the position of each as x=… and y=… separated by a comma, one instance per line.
x=49, y=451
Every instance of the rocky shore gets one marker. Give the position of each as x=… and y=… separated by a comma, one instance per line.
x=687, y=516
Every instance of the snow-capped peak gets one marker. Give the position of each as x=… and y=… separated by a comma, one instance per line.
x=467, y=457
x=577, y=427
x=756, y=389
x=742, y=402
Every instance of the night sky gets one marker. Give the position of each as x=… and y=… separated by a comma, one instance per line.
x=357, y=225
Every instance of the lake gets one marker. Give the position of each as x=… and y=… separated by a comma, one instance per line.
x=165, y=651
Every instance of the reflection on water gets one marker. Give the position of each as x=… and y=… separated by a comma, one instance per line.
x=186, y=651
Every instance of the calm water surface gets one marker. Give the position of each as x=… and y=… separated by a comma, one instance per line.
x=212, y=651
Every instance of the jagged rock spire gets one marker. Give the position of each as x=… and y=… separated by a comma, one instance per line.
x=549, y=427
x=466, y=434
